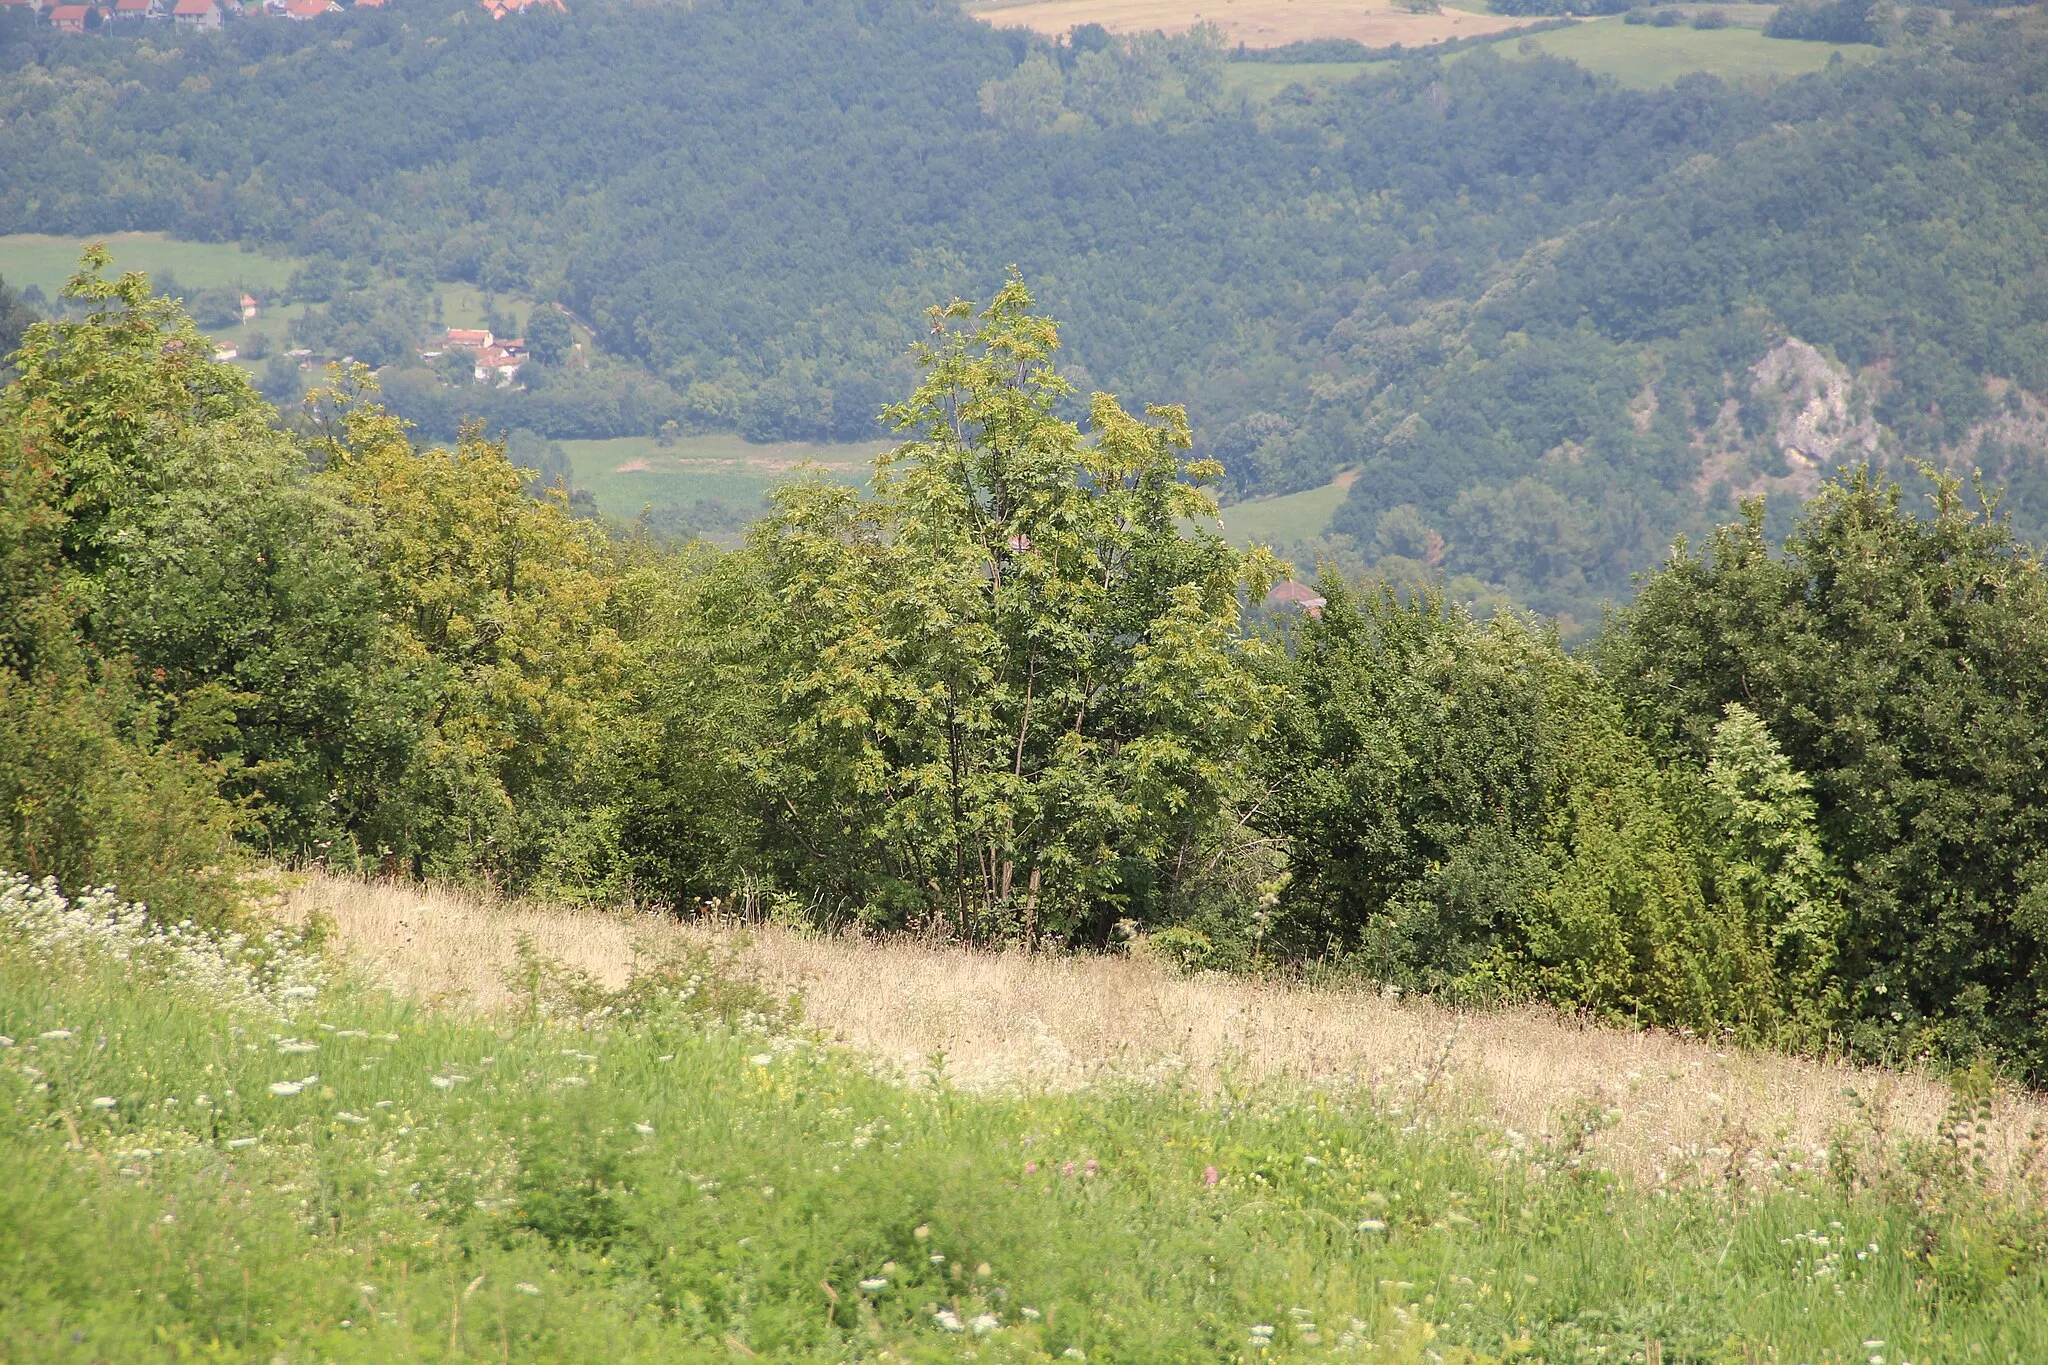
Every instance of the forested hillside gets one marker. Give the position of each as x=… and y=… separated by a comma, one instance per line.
x=1554, y=321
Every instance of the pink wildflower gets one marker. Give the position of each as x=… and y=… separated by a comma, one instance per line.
x=1031, y=1168
x=1209, y=1176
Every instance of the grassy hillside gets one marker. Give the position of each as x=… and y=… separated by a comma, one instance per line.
x=1286, y=519
x=1643, y=57
x=47, y=260
x=630, y=473
x=679, y=1171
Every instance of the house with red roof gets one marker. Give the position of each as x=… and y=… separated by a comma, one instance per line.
x=302, y=11
x=132, y=9
x=1298, y=596
x=498, y=9
x=69, y=18
x=196, y=14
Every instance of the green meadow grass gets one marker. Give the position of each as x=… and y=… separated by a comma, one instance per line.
x=48, y=260
x=725, y=467
x=1263, y=80
x=1285, y=520
x=1644, y=57
x=672, y=1182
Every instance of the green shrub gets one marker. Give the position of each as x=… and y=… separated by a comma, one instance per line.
x=1901, y=663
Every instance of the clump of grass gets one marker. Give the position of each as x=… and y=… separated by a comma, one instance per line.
x=191, y=1177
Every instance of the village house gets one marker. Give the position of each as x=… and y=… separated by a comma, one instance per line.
x=301, y=11
x=132, y=9
x=470, y=337
x=498, y=9
x=196, y=14
x=499, y=363
x=69, y=18
x=1298, y=596
x=249, y=307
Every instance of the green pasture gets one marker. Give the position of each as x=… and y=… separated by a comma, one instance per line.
x=1263, y=80
x=1644, y=57
x=48, y=260
x=630, y=474
x=1285, y=520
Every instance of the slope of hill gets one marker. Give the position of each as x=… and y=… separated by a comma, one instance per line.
x=218, y=1161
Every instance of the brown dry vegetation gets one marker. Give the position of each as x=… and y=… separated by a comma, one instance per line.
x=1254, y=23
x=1673, y=1107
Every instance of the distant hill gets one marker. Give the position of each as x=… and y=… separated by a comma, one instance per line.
x=1552, y=320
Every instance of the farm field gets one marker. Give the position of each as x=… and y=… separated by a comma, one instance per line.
x=1644, y=57
x=631, y=473
x=48, y=260
x=1263, y=80
x=1289, y=518
x=344, y=1160
x=1254, y=23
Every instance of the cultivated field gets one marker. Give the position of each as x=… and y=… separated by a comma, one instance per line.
x=1011, y=1022
x=1254, y=23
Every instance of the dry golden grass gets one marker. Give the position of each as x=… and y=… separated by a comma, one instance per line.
x=1675, y=1106
x=1255, y=23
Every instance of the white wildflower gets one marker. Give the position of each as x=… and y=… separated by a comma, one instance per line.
x=572, y=1080
x=443, y=1083
x=644, y=1129
x=297, y=1046
x=874, y=1285
x=762, y=1058
x=286, y=1088
x=984, y=1324
x=1073, y=1353
x=1373, y=1225
x=525, y=1288
x=1031, y=1313
x=56, y=1035
x=105, y=1102
x=346, y=1117
x=948, y=1319
x=266, y=974
x=237, y=1144
x=5, y=1041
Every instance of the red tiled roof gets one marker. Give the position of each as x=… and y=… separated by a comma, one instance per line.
x=193, y=7
x=131, y=6
x=74, y=14
x=305, y=9
x=467, y=336
x=1295, y=594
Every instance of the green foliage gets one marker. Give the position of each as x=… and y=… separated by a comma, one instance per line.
x=1009, y=695
x=1466, y=813
x=1898, y=660
x=1826, y=21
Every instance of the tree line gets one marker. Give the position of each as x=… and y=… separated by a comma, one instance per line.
x=1013, y=691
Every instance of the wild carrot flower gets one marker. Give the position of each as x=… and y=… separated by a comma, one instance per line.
x=105, y=1102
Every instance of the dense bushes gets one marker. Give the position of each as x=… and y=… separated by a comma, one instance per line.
x=1008, y=694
